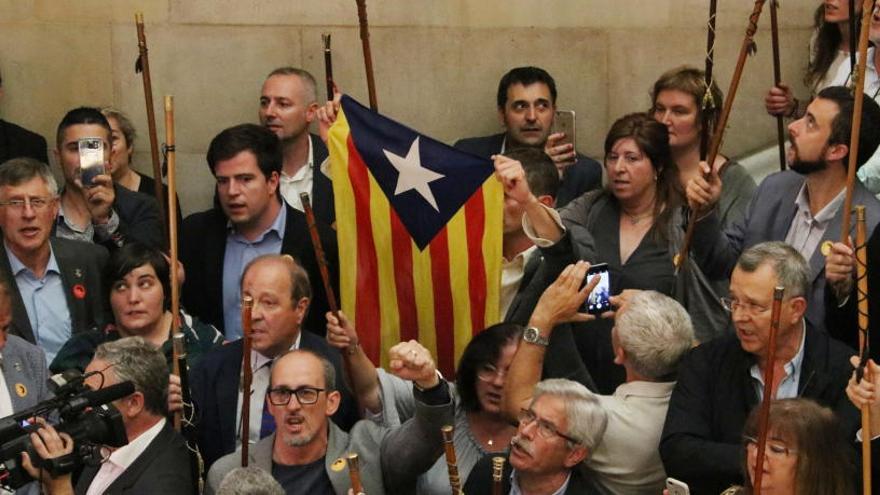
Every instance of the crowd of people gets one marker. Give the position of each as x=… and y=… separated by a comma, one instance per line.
x=666, y=384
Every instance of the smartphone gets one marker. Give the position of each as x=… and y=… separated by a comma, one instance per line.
x=676, y=487
x=599, y=300
x=563, y=121
x=91, y=160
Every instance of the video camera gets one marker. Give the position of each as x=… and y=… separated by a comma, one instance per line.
x=82, y=413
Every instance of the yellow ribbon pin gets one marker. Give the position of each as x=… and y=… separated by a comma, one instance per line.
x=20, y=389
x=338, y=465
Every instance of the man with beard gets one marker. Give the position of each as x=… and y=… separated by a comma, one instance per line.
x=526, y=108
x=801, y=206
x=288, y=104
x=307, y=453
x=561, y=427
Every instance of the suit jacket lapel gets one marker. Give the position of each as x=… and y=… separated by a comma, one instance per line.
x=21, y=324
x=214, y=252
x=228, y=384
x=134, y=471
x=72, y=274
x=13, y=373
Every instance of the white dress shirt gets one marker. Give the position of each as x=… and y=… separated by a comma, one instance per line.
x=122, y=458
x=300, y=182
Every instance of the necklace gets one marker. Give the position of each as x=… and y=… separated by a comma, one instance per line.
x=635, y=219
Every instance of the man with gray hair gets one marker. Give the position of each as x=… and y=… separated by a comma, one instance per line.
x=55, y=284
x=156, y=457
x=720, y=381
x=249, y=480
x=288, y=104
x=651, y=334
x=561, y=427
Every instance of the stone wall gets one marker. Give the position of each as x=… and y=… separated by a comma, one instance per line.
x=437, y=62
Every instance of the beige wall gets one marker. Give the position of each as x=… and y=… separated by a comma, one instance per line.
x=437, y=62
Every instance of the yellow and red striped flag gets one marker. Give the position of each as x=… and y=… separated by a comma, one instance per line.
x=419, y=225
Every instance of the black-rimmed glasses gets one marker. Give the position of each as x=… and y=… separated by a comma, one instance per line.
x=280, y=396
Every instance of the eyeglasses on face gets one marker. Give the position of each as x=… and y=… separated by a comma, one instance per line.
x=280, y=396
x=773, y=448
x=36, y=202
x=544, y=428
x=488, y=373
x=732, y=305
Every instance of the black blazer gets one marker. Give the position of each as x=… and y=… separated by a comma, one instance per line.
x=584, y=175
x=138, y=218
x=161, y=468
x=702, y=438
x=203, y=246
x=81, y=264
x=322, y=187
x=214, y=382
x=16, y=141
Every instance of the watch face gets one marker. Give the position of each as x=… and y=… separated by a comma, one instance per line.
x=531, y=334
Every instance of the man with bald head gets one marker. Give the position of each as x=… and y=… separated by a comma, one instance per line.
x=281, y=293
x=288, y=104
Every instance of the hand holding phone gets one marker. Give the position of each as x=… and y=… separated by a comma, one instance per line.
x=676, y=487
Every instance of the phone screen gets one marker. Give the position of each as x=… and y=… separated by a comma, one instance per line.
x=91, y=159
x=599, y=300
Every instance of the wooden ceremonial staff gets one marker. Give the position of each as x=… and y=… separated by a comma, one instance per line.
x=451, y=462
x=172, y=226
x=368, y=57
x=497, y=475
x=709, y=102
x=319, y=253
x=764, y=411
x=143, y=66
x=859, y=96
x=748, y=46
x=247, y=305
x=777, y=78
x=354, y=472
x=328, y=65
x=862, y=288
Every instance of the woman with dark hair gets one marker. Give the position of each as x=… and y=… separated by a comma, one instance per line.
x=805, y=453
x=138, y=285
x=677, y=101
x=480, y=428
x=634, y=226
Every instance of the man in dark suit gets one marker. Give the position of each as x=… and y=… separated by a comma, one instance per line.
x=216, y=245
x=55, y=285
x=100, y=212
x=281, y=292
x=288, y=104
x=526, y=109
x=802, y=206
x=720, y=381
x=561, y=427
x=156, y=457
x=16, y=141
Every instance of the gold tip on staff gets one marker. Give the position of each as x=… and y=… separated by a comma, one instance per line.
x=247, y=305
x=497, y=475
x=451, y=461
x=354, y=472
x=859, y=96
x=143, y=66
x=764, y=411
x=862, y=291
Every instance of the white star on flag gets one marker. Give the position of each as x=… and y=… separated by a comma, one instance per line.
x=412, y=175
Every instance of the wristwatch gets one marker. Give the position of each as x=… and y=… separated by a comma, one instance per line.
x=533, y=336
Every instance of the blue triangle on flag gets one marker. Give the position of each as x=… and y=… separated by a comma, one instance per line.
x=425, y=181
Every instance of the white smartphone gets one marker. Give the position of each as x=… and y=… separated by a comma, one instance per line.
x=91, y=160
x=563, y=121
x=676, y=487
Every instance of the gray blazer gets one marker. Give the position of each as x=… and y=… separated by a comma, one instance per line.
x=24, y=369
x=768, y=218
x=391, y=459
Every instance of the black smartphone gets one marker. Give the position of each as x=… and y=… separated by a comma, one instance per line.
x=599, y=300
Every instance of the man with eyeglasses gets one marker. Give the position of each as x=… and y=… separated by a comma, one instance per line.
x=720, y=381
x=282, y=293
x=307, y=453
x=561, y=427
x=55, y=284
